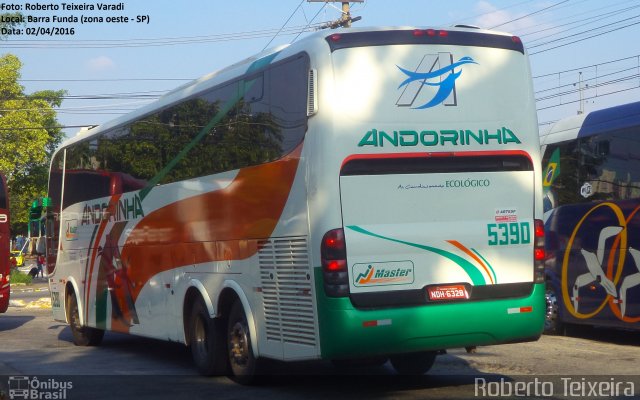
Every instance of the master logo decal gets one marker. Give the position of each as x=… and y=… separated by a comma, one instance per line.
x=383, y=273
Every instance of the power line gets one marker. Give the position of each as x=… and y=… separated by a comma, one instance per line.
x=588, y=66
x=83, y=108
x=28, y=128
x=580, y=33
x=530, y=14
x=596, y=86
x=283, y=25
x=588, y=98
x=119, y=43
x=583, y=39
x=102, y=80
x=310, y=22
x=583, y=23
x=587, y=80
x=109, y=96
x=597, y=16
x=151, y=94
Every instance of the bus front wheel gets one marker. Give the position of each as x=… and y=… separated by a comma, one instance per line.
x=414, y=363
x=244, y=365
x=206, y=340
x=82, y=335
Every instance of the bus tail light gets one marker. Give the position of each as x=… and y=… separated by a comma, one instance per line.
x=539, y=254
x=333, y=252
x=430, y=33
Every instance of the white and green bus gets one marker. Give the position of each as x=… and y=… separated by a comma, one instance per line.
x=359, y=194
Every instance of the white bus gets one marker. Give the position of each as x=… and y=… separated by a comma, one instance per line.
x=362, y=193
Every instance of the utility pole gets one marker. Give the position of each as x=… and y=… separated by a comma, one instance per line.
x=345, y=19
x=580, y=89
x=581, y=110
x=346, y=15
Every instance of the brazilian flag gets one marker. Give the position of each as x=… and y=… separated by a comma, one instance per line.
x=552, y=171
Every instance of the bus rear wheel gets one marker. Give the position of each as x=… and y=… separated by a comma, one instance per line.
x=552, y=323
x=414, y=363
x=244, y=365
x=82, y=335
x=206, y=340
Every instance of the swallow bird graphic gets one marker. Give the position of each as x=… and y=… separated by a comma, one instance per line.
x=445, y=86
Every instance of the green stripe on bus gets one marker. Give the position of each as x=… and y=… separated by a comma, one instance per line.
x=495, y=278
x=423, y=327
x=474, y=274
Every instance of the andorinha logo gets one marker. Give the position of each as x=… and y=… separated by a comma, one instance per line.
x=383, y=274
x=126, y=208
x=435, y=73
x=429, y=138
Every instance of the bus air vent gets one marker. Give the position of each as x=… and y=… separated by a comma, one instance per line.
x=312, y=100
x=287, y=291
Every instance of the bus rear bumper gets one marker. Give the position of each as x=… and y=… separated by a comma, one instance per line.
x=347, y=332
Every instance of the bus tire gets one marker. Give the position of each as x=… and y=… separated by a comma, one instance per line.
x=414, y=363
x=206, y=341
x=82, y=335
x=552, y=323
x=242, y=362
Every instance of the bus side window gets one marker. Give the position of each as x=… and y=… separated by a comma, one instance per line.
x=603, y=148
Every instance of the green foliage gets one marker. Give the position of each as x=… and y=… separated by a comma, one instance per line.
x=19, y=277
x=8, y=21
x=28, y=135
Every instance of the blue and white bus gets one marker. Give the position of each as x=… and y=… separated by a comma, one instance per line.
x=591, y=181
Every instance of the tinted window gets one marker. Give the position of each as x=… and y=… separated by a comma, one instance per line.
x=603, y=167
x=253, y=120
x=565, y=186
x=612, y=165
x=55, y=181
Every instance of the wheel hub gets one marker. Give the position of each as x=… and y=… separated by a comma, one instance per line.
x=239, y=346
x=552, y=308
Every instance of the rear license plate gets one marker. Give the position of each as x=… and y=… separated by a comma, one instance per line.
x=449, y=292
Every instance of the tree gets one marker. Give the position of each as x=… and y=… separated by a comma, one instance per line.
x=8, y=20
x=29, y=133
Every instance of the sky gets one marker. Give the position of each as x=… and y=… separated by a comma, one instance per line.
x=588, y=44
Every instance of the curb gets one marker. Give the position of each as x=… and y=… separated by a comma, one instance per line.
x=43, y=303
x=28, y=289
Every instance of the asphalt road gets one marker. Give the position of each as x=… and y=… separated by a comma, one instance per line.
x=36, y=348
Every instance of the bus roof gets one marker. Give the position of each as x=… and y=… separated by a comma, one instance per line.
x=584, y=125
x=310, y=43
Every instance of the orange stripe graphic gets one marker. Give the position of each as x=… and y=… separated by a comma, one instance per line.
x=215, y=226
x=94, y=252
x=472, y=255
